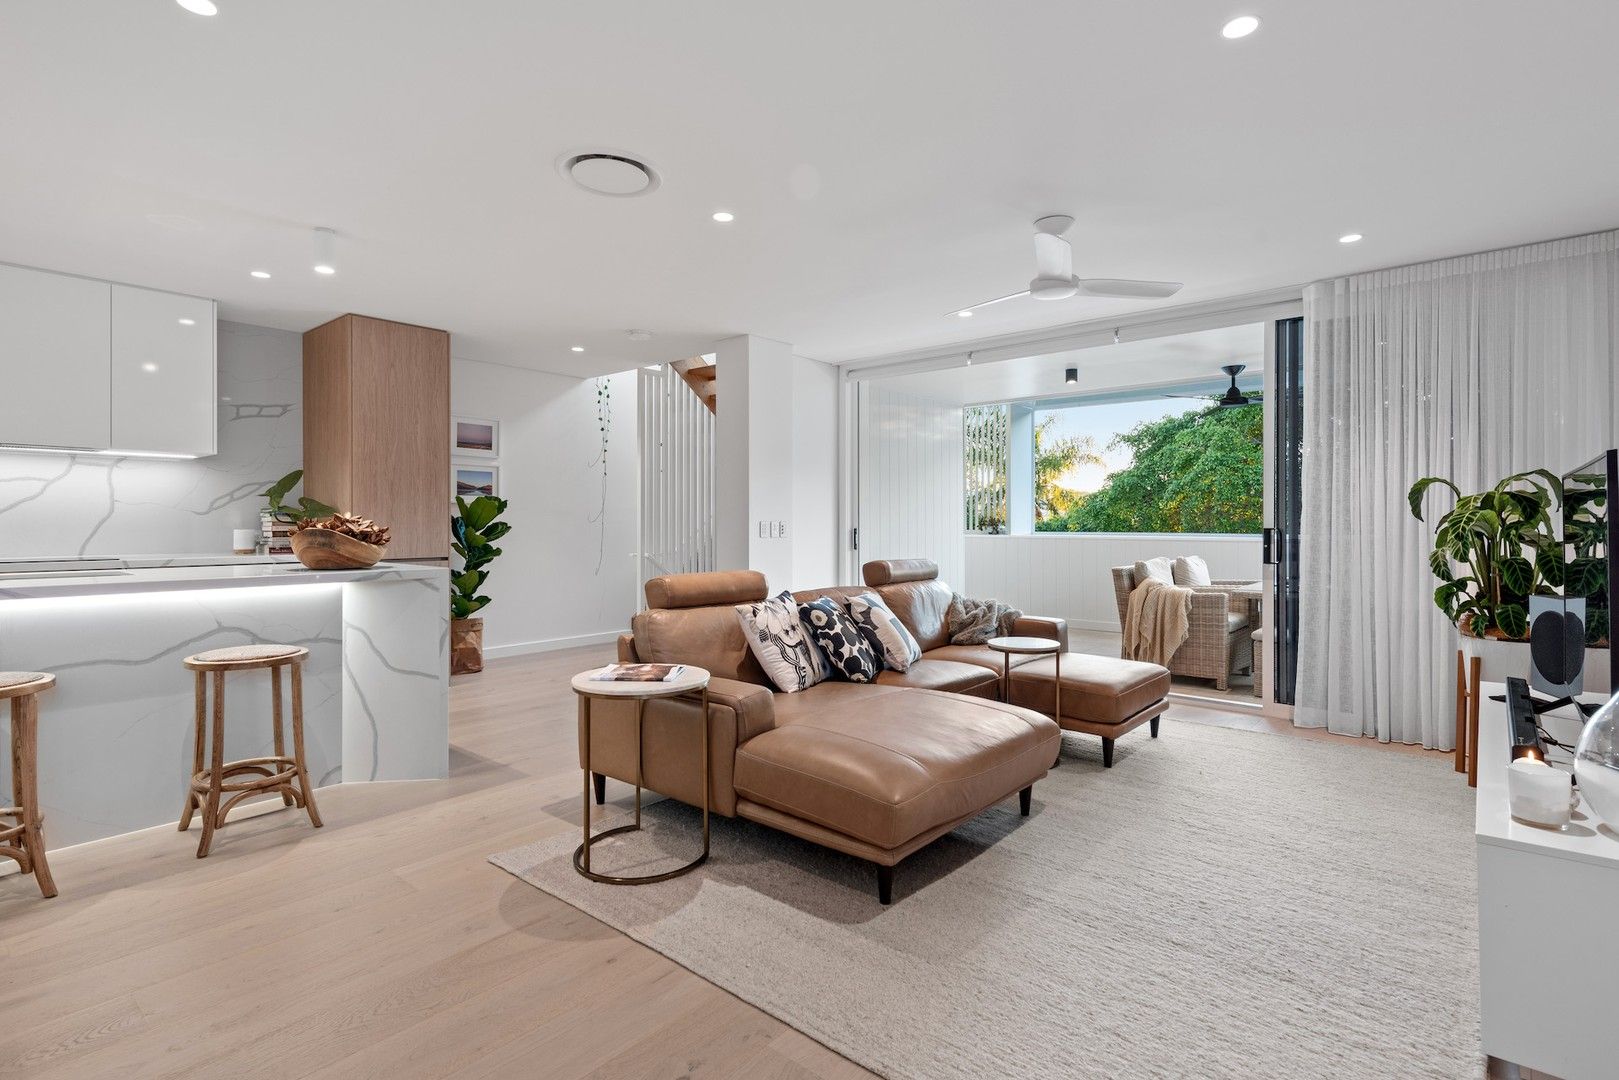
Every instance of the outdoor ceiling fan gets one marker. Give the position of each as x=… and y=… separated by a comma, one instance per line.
x=1054, y=272
x=1233, y=398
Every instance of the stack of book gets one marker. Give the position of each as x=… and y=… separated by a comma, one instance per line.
x=277, y=534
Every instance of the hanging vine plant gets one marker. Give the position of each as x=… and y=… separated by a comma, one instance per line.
x=604, y=427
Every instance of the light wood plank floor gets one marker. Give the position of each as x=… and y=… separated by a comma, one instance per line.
x=381, y=945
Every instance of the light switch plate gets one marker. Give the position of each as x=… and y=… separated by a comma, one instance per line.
x=781, y=529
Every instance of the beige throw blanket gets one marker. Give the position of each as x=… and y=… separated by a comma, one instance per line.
x=1156, y=621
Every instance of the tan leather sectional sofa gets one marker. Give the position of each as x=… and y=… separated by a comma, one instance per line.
x=874, y=770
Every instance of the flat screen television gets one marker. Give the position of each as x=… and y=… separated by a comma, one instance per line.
x=1590, y=535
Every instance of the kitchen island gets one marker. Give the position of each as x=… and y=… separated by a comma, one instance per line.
x=115, y=734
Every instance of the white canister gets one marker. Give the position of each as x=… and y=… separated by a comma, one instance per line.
x=244, y=541
x=1539, y=794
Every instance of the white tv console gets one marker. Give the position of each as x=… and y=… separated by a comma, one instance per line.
x=1548, y=921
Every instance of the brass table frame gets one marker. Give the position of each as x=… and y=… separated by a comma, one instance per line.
x=1006, y=672
x=581, y=854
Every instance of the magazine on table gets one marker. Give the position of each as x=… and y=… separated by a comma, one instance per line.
x=639, y=673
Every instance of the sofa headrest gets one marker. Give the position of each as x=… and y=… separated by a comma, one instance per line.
x=706, y=589
x=894, y=571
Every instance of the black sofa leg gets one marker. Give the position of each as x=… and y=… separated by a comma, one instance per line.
x=1024, y=799
x=1107, y=753
x=1153, y=723
x=885, y=884
x=600, y=782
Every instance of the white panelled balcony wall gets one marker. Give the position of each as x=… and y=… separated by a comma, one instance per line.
x=676, y=438
x=910, y=476
x=1068, y=575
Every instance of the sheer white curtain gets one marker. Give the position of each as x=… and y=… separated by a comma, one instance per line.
x=1471, y=368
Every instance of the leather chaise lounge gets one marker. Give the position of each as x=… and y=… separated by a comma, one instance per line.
x=874, y=770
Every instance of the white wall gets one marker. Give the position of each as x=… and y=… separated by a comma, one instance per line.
x=1069, y=575
x=54, y=504
x=567, y=576
x=815, y=531
x=910, y=480
x=753, y=458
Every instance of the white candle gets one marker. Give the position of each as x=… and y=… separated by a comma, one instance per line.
x=244, y=541
x=1538, y=793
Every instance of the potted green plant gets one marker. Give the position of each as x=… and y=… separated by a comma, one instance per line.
x=1492, y=551
x=473, y=534
x=305, y=507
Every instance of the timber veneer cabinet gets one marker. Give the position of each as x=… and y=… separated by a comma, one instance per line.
x=377, y=428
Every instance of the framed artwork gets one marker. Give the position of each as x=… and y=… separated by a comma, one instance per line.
x=474, y=438
x=470, y=481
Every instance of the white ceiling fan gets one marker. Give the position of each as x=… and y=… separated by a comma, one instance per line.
x=1054, y=273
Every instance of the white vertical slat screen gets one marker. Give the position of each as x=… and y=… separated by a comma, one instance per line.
x=677, y=476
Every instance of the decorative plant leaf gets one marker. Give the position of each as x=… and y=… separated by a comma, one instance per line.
x=473, y=530
x=1512, y=620
x=1596, y=626
x=1549, y=564
x=1517, y=574
x=1420, y=488
x=1586, y=577
x=282, y=487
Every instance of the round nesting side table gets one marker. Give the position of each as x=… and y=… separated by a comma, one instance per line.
x=692, y=681
x=1027, y=646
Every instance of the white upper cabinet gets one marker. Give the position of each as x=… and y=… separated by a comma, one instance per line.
x=163, y=399
x=55, y=341
x=88, y=365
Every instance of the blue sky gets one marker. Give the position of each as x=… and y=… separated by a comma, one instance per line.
x=1102, y=423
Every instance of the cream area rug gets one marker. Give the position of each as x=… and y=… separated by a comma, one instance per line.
x=1218, y=904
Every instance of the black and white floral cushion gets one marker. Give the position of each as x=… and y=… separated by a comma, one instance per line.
x=780, y=644
x=840, y=640
x=882, y=629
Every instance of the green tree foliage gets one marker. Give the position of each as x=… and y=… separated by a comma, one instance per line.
x=1199, y=472
x=1053, y=458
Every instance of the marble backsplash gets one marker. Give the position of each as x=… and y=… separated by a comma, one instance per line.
x=84, y=504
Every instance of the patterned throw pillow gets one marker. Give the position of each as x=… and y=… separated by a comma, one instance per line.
x=779, y=643
x=882, y=629
x=850, y=654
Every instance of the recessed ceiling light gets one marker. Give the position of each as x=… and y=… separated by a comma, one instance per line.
x=188, y=322
x=1240, y=27
x=199, y=7
x=148, y=366
x=578, y=348
x=724, y=215
x=1349, y=238
x=964, y=314
x=260, y=274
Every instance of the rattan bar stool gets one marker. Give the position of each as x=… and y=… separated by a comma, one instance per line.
x=24, y=841
x=211, y=785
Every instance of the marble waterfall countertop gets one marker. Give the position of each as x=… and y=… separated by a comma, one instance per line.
x=115, y=732
x=169, y=573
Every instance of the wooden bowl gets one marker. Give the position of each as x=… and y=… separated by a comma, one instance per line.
x=323, y=549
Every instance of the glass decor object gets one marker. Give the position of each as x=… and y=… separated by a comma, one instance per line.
x=1596, y=762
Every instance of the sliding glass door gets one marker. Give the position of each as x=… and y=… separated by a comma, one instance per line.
x=1282, y=537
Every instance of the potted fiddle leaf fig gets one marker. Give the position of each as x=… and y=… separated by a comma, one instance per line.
x=473, y=533
x=1492, y=551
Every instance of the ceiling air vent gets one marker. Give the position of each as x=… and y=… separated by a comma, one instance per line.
x=614, y=175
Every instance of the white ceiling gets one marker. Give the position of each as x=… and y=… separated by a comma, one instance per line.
x=884, y=160
x=1182, y=361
